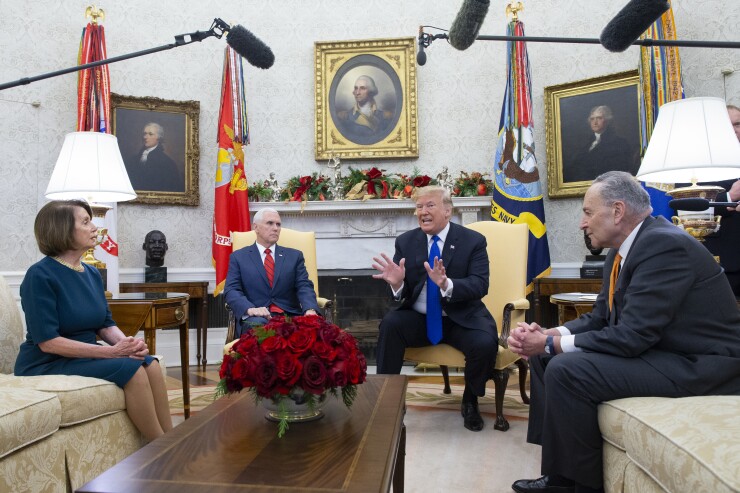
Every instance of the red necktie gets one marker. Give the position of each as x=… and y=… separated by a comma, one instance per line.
x=269, y=266
x=270, y=270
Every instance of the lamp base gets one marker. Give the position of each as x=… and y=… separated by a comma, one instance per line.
x=697, y=224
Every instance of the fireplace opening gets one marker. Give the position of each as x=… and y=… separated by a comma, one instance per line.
x=360, y=302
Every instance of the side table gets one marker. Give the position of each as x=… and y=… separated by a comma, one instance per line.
x=150, y=312
x=572, y=305
x=198, y=290
x=547, y=286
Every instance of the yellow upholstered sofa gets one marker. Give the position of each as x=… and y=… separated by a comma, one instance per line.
x=658, y=445
x=56, y=432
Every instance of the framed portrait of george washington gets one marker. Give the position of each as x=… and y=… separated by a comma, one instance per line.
x=366, y=99
x=158, y=139
x=592, y=126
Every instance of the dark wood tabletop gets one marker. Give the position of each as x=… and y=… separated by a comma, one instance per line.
x=230, y=446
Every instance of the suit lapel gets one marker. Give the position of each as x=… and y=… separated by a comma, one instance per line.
x=448, y=251
x=279, y=262
x=254, y=255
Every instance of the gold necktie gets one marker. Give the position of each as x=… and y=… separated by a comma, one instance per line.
x=613, y=278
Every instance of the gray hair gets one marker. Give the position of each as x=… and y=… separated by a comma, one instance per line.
x=372, y=88
x=158, y=128
x=261, y=213
x=621, y=186
x=605, y=111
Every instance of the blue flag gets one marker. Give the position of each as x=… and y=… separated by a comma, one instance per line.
x=517, y=192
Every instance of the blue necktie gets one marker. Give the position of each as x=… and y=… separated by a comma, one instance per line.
x=434, y=305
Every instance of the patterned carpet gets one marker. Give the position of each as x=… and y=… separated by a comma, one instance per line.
x=424, y=390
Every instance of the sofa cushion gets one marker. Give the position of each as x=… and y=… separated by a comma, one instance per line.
x=11, y=328
x=687, y=444
x=81, y=398
x=614, y=414
x=27, y=416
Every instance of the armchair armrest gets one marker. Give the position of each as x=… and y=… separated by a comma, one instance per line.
x=326, y=306
x=520, y=304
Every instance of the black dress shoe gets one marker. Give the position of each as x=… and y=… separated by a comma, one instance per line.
x=543, y=485
x=471, y=416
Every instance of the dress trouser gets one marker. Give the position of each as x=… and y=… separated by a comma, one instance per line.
x=400, y=329
x=565, y=392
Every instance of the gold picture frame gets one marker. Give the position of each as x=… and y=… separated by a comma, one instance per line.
x=390, y=130
x=574, y=155
x=169, y=172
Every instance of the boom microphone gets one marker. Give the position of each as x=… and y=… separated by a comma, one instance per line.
x=466, y=25
x=698, y=204
x=633, y=20
x=250, y=47
x=421, y=57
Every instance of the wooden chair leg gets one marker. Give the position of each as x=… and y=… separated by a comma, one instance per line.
x=523, y=368
x=446, y=377
x=500, y=379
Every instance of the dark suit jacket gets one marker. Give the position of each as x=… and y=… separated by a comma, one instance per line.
x=247, y=287
x=673, y=307
x=159, y=173
x=466, y=263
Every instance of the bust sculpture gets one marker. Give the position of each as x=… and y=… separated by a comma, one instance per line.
x=155, y=244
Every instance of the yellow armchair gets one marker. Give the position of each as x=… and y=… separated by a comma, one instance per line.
x=305, y=241
x=507, y=302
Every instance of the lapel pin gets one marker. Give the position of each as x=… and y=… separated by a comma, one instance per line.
x=452, y=247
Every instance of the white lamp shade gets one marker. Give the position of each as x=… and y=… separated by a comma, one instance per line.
x=692, y=139
x=90, y=166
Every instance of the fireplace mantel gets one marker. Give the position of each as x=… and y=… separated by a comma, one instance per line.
x=349, y=233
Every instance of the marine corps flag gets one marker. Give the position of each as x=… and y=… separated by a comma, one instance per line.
x=231, y=207
x=517, y=193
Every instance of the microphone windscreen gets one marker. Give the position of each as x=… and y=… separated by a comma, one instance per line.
x=466, y=25
x=689, y=204
x=421, y=57
x=633, y=20
x=250, y=47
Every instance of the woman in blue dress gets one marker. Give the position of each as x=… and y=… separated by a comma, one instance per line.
x=66, y=310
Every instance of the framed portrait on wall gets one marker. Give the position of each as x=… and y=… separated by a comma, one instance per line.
x=366, y=99
x=158, y=139
x=592, y=126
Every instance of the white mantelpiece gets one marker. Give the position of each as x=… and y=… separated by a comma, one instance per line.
x=349, y=233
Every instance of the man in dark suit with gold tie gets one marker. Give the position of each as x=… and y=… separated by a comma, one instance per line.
x=651, y=333
x=440, y=273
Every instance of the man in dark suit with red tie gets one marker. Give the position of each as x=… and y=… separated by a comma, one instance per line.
x=439, y=273
x=265, y=279
x=665, y=324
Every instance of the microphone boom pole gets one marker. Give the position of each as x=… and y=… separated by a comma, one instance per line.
x=640, y=42
x=217, y=30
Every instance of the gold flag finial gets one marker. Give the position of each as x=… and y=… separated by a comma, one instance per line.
x=94, y=13
x=513, y=9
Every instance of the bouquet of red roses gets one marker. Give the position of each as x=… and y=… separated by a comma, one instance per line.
x=306, y=353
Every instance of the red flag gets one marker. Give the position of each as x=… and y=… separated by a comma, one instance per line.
x=231, y=207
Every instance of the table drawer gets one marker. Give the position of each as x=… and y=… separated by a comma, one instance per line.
x=170, y=315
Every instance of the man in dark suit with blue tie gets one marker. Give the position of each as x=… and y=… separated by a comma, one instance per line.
x=265, y=279
x=665, y=325
x=440, y=273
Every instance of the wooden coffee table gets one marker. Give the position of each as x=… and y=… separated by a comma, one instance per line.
x=230, y=446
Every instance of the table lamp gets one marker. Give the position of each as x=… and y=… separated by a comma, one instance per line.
x=90, y=166
x=693, y=141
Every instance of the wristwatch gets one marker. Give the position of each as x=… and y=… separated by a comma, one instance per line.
x=549, y=345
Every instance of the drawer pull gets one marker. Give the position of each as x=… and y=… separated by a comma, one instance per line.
x=179, y=314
